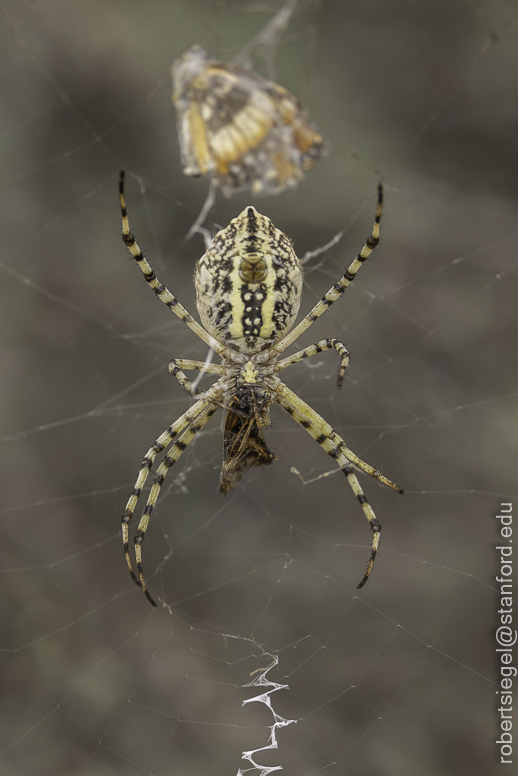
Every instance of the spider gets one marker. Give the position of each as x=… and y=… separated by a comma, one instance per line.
x=248, y=290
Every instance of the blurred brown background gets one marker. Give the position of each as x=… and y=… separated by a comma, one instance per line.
x=397, y=679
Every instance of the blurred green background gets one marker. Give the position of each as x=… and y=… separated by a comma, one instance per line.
x=397, y=679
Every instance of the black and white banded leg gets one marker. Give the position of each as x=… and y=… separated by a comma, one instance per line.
x=178, y=435
x=319, y=347
x=336, y=291
x=335, y=446
x=160, y=290
x=177, y=365
x=172, y=455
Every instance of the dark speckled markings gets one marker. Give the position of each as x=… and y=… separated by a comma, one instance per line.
x=248, y=283
x=252, y=299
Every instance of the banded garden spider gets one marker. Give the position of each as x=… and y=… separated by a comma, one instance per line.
x=248, y=289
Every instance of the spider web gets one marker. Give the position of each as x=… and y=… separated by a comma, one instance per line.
x=257, y=590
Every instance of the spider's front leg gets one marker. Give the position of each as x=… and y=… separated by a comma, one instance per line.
x=161, y=291
x=336, y=290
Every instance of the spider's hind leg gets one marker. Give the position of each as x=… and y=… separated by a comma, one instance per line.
x=179, y=434
x=335, y=446
x=368, y=511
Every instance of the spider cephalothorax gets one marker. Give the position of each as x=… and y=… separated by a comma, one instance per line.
x=248, y=287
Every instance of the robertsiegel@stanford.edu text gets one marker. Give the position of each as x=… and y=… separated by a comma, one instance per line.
x=506, y=635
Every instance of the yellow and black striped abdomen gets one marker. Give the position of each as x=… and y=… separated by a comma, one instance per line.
x=248, y=283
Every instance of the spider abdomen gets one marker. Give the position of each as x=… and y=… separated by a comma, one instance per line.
x=248, y=283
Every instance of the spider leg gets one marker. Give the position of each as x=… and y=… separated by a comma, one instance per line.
x=168, y=436
x=185, y=363
x=368, y=511
x=335, y=446
x=319, y=347
x=160, y=290
x=323, y=433
x=176, y=365
x=172, y=455
x=336, y=291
